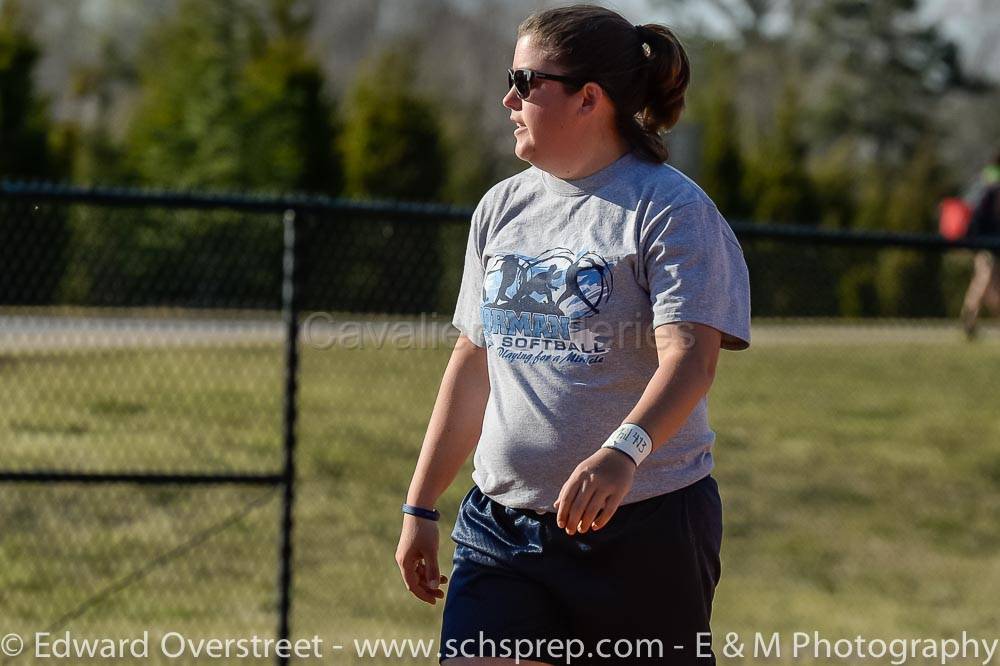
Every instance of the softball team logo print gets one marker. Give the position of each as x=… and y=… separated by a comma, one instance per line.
x=535, y=309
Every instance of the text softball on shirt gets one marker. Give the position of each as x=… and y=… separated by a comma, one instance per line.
x=534, y=307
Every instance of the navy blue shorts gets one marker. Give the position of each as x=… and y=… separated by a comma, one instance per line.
x=631, y=592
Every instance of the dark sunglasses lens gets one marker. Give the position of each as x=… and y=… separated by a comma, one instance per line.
x=518, y=80
x=524, y=84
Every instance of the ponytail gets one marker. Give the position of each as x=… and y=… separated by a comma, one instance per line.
x=666, y=77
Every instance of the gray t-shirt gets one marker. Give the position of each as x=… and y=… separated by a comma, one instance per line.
x=564, y=281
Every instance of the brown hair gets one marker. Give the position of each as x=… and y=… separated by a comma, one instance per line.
x=643, y=69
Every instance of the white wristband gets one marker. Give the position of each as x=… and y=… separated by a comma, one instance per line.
x=631, y=439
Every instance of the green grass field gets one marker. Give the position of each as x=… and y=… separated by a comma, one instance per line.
x=860, y=483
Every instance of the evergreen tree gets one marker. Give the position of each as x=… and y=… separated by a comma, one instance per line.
x=777, y=183
x=292, y=123
x=188, y=130
x=290, y=140
x=33, y=239
x=393, y=145
x=909, y=281
x=722, y=163
x=858, y=291
x=794, y=279
x=24, y=127
x=96, y=156
x=472, y=167
x=228, y=99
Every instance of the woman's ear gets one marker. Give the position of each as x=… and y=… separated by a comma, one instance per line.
x=591, y=96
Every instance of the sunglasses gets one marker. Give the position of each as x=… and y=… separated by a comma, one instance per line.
x=520, y=80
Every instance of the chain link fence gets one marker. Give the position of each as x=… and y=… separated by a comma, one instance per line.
x=211, y=406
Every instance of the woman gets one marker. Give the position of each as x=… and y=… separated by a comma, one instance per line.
x=599, y=286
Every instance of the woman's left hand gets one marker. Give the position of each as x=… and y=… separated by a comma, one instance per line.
x=594, y=490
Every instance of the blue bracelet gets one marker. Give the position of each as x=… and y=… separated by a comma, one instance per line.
x=422, y=512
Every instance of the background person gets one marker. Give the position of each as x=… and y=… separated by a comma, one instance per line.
x=984, y=288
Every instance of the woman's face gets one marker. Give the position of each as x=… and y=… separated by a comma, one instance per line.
x=547, y=123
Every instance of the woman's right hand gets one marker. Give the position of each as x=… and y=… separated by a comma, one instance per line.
x=416, y=556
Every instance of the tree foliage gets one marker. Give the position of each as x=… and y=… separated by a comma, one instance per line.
x=24, y=124
x=225, y=105
x=32, y=255
x=392, y=142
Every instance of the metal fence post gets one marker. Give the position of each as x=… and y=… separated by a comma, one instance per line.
x=289, y=308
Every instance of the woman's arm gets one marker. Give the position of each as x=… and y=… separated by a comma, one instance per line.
x=687, y=353
x=453, y=432
x=455, y=425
